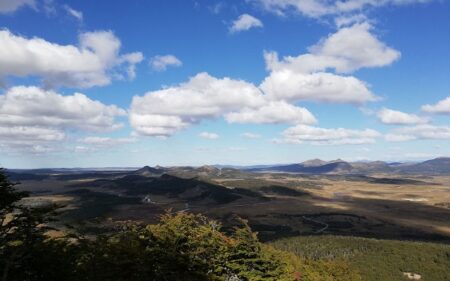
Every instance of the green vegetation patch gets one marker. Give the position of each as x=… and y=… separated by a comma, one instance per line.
x=374, y=259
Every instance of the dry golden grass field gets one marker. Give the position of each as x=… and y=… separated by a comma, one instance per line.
x=280, y=205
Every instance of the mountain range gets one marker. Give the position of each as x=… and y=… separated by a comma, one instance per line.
x=435, y=166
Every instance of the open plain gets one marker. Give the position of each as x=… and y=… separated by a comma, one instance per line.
x=411, y=207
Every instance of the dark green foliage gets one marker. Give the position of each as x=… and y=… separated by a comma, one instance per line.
x=8, y=195
x=182, y=245
x=374, y=259
x=22, y=239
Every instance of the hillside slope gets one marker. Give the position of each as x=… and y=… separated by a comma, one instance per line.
x=375, y=260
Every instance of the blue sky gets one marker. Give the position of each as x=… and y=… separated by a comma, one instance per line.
x=114, y=83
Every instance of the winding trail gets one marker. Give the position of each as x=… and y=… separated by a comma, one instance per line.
x=188, y=207
x=325, y=225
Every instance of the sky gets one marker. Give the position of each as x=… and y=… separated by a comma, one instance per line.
x=243, y=82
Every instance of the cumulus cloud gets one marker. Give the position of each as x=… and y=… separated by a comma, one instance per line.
x=161, y=63
x=30, y=116
x=9, y=6
x=78, y=15
x=291, y=80
x=94, y=62
x=393, y=117
x=208, y=135
x=323, y=136
x=345, y=51
x=321, y=87
x=398, y=137
x=442, y=107
x=32, y=106
x=422, y=132
x=320, y=8
x=245, y=22
x=164, y=112
x=272, y=113
x=29, y=134
x=305, y=78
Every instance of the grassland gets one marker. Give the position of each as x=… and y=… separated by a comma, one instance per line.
x=276, y=205
x=397, y=207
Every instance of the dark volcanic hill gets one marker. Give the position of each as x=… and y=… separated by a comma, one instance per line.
x=149, y=171
x=169, y=186
x=371, y=167
x=436, y=166
x=314, y=163
x=311, y=167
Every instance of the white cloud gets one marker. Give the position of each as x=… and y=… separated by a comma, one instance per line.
x=442, y=107
x=292, y=79
x=251, y=135
x=93, y=62
x=32, y=106
x=83, y=149
x=423, y=132
x=347, y=50
x=30, y=116
x=9, y=6
x=305, y=78
x=161, y=63
x=347, y=20
x=164, y=112
x=398, y=137
x=272, y=113
x=394, y=117
x=210, y=136
x=245, y=22
x=322, y=136
x=74, y=13
x=322, y=87
x=320, y=8
x=26, y=134
x=311, y=8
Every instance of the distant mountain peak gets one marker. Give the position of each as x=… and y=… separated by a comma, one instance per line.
x=148, y=171
x=439, y=159
x=313, y=163
x=208, y=168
